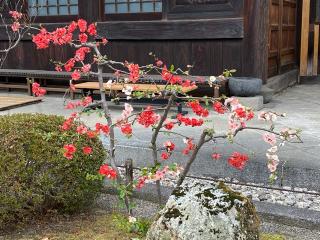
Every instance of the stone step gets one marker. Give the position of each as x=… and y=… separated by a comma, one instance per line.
x=267, y=94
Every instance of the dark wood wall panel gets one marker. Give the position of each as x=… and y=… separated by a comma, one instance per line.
x=232, y=56
x=213, y=44
x=208, y=57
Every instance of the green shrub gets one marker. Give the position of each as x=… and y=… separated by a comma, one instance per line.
x=34, y=174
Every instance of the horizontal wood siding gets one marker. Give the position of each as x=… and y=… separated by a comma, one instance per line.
x=213, y=44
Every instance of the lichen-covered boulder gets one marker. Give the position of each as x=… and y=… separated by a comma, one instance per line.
x=197, y=211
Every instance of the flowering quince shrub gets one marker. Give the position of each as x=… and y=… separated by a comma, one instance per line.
x=82, y=37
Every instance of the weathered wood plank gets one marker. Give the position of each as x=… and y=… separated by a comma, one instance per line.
x=164, y=30
x=304, y=38
x=8, y=102
x=135, y=87
x=180, y=29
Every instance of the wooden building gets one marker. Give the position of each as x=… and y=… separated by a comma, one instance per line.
x=259, y=38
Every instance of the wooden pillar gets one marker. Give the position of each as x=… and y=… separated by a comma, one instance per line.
x=316, y=40
x=255, y=42
x=315, y=50
x=304, y=38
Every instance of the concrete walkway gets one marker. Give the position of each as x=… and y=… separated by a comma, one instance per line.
x=302, y=167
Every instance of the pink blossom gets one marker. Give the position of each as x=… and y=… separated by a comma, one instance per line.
x=233, y=102
x=274, y=149
x=272, y=168
x=86, y=68
x=15, y=15
x=15, y=26
x=270, y=138
x=126, y=112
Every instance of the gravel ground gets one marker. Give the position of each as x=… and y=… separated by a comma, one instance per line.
x=106, y=202
x=288, y=196
x=148, y=209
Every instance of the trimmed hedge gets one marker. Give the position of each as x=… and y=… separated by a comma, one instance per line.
x=34, y=174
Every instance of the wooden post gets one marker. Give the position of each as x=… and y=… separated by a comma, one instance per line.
x=29, y=86
x=129, y=171
x=304, y=38
x=129, y=181
x=216, y=91
x=315, y=50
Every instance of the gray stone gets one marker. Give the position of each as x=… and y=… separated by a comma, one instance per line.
x=283, y=81
x=256, y=103
x=267, y=94
x=245, y=86
x=201, y=211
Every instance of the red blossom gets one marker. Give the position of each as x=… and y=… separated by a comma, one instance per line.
x=219, y=107
x=108, y=171
x=198, y=109
x=69, y=149
x=166, y=75
x=238, y=160
x=169, y=77
x=141, y=182
x=61, y=36
x=190, y=121
x=68, y=155
x=126, y=129
x=86, y=101
x=190, y=146
x=81, y=53
x=165, y=155
x=103, y=128
x=169, y=125
x=42, y=39
x=92, y=29
x=216, y=156
x=87, y=150
x=37, y=90
x=70, y=105
x=69, y=64
x=134, y=72
x=250, y=115
x=169, y=146
x=68, y=123
x=76, y=75
x=148, y=117
x=83, y=38
x=91, y=134
x=241, y=112
x=188, y=83
x=82, y=25
x=72, y=27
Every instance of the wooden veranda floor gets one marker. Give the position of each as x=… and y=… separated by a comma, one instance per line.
x=8, y=102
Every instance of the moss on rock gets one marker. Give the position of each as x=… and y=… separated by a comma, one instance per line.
x=206, y=211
